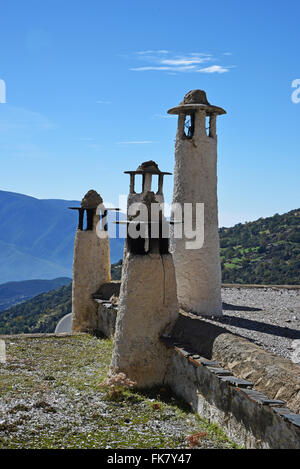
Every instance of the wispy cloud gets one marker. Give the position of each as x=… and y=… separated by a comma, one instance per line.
x=169, y=62
x=102, y=101
x=147, y=52
x=186, y=61
x=176, y=69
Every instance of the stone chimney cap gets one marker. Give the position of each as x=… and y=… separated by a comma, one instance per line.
x=195, y=97
x=194, y=100
x=91, y=200
x=147, y=167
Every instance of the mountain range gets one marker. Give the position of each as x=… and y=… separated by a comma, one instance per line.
x=37, y=238
x=12, y=293
x=266, y=251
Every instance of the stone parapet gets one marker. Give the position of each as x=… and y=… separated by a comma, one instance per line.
x=246, y=415
x=276, y=376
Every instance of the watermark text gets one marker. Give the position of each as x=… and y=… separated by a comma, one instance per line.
x=296, y=92
x=2, y=92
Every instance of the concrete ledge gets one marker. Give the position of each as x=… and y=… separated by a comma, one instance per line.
x=248, y=417
x=275, y=376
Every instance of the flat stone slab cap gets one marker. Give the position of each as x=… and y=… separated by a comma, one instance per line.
x=239, y=383
x=147, y=167
x=288, y=415
x=193, y=101
x=219, y=371
x=183, y=352
x=210, y=363
x=261, y=398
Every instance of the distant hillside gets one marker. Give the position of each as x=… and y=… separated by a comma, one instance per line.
x=37, y=237
x=42, y=313
x=266, y=251
x=12, y=293
x=116, y=270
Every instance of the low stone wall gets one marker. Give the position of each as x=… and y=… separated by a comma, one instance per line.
x=106, y=318
x=276, y=376
x=210, y=369
x=247, y=416
x=106, y=314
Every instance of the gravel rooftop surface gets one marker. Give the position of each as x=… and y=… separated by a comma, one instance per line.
x=50, y=398
x=266, y=316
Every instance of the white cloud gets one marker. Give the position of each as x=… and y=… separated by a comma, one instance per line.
x=214, y=69
x=103, y=102
x=166, y=61
x=163, y=68
x=147, y=52
x=185, y=61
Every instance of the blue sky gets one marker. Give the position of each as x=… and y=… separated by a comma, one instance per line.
x=89, y=83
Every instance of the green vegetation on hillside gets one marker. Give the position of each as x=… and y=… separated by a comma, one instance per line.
x=266, y=251
x=12, y=293
x=40, y=314
x=116, y=270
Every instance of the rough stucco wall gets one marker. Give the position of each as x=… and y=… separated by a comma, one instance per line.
x=147, y=307
x=198, y=271
x=91, y=268
x=275, y=376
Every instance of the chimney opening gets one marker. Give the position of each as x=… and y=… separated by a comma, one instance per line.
x=189, y=125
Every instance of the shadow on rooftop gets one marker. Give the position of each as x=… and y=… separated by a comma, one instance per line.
x=200, y=334
x=230, y=307
x=259, y=326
